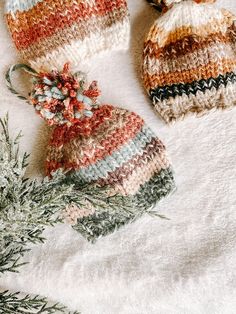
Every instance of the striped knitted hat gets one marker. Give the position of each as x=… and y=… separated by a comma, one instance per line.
x=189, y=63
x=49, y=33
x=100, y=145
x=116, y=149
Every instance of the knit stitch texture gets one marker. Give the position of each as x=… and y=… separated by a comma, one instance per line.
x=189, y=62
x=48, y=33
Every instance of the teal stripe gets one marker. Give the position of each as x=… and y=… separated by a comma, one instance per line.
x=12, y=6
x=111, y=163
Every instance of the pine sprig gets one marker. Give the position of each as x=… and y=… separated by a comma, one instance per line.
x=26, y=208
x=10, y=260
x=98, y=197
x=14, y=303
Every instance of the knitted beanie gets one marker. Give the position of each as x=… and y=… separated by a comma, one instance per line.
x=49, y=33
x=100, y=145
x=189, y=62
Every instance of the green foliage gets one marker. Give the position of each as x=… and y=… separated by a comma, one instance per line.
x=26, y=208
x=13, y=303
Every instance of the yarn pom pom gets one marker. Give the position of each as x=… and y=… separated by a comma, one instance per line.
x=164, y=5
x=63, y=98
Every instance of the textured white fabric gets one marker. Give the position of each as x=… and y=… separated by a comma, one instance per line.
x=182, y=266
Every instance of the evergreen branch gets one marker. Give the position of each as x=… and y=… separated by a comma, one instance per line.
x=13, y=303
x=9, y=260
x=26, y=208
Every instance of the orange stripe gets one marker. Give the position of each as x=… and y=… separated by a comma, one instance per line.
x=114, y=141
x=37, y=23
x=159, y=35
x=212, y=69
x=186, y=45
x=86, y=127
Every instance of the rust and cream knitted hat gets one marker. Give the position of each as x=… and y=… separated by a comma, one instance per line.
x=48, y=33
x=189, y=62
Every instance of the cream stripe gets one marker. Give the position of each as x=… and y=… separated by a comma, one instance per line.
x=12, y=6
x=33, y=6
x=188, y=13
x=199, y=22
x=115, y=37
x=143, y=174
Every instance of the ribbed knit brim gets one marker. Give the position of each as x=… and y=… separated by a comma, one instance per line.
x=189, y=63
x=49, y=33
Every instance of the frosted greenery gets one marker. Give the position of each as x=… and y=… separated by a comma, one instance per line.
x=26, y=208
x=14, y=303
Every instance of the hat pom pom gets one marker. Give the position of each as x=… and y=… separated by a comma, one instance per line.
x=164, y=5
x=62, y=97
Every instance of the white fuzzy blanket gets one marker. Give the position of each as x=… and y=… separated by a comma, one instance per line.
x=183, y=266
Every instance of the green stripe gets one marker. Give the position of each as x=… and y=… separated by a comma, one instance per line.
x=102, y=224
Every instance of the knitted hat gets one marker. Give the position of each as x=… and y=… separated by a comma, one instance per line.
x=100, y=145
x=189, y=63
x=49, y=33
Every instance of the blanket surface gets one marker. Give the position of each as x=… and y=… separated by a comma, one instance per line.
x=185, y=265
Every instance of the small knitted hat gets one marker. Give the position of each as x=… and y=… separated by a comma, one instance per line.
x=100, y=145
x=189, y=62
x=49, y=33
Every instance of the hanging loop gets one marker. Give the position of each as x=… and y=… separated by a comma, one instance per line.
x=9, y=75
